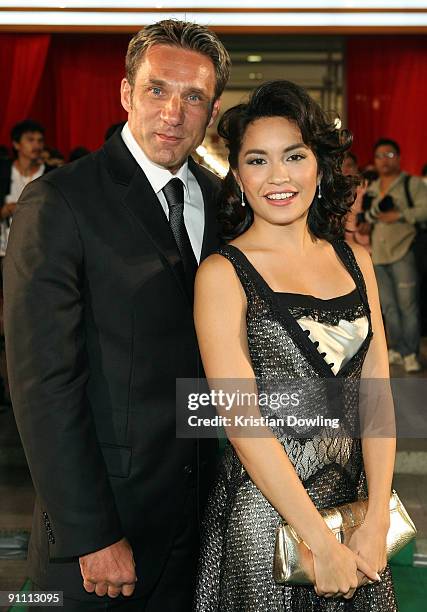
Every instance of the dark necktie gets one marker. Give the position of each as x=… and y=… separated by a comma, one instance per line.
x=174, y=194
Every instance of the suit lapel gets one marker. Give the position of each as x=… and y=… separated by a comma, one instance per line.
x=144, y=204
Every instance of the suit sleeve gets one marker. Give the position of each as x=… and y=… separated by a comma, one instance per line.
x=48, y=370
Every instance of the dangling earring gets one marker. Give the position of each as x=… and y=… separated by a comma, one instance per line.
x=243, y=197
x=319, y=194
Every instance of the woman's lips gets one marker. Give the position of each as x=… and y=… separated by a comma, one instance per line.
x=282, y=202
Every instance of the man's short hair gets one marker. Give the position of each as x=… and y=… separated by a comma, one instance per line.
x=21, y=128
x=182, y=34
x=388, y=142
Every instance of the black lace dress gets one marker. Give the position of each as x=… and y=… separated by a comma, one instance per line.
x=235, y=568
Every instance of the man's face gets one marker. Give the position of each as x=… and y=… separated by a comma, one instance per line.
x=387, y=160
x=30, y=146
x=171, y=103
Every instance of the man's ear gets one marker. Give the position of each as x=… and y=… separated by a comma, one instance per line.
x=215, y=111
x=126, y=95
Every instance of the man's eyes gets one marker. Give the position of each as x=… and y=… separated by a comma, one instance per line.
x=156, y=91
x=193, y=98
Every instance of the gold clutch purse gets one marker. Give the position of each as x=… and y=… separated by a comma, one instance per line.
x=343, y=520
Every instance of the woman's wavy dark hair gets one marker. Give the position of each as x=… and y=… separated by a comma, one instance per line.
x=326, y=217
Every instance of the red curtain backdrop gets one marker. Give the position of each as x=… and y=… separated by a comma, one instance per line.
x=70, y=83
x=88, y=71
x=73, y=89
x=387, y=95
x=22, y=62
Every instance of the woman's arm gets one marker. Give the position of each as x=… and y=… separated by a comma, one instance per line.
x=378, y=452
x=220, y=318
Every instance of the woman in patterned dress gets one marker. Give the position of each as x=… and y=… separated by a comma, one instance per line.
x=287, y=298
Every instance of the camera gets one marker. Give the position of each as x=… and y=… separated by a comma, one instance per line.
x=386, y=204
x=367, y=201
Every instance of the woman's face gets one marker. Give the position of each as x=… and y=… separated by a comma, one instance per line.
x=276, y=170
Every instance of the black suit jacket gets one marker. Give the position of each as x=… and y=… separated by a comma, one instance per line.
x=98, y=327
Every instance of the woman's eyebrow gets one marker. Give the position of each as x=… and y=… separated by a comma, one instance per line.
x=297, y=145
x=255, y=151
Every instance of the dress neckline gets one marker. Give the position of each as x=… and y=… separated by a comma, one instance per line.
x=284, y=315
x=304, y=299
x=314, y=297
x=302, y=295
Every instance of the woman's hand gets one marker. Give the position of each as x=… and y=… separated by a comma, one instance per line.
x=369, y=542
x=336, y=569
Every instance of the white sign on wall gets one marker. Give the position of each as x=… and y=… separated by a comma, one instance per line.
x=274, y=13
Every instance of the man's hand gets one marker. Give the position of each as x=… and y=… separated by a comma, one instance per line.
x=109, y=571
x=391, y=216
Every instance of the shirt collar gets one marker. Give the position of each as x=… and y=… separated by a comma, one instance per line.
x=31, y=177
x=399, y=178
x=157, y=176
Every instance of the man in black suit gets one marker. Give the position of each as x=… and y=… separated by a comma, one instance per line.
x=98, y=313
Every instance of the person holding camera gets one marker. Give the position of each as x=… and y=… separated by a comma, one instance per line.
x=398, y=203
x=355, y=216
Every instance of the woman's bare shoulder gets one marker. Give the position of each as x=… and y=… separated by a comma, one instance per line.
x=362, y=257
x=213, y=265
x=218, y=272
